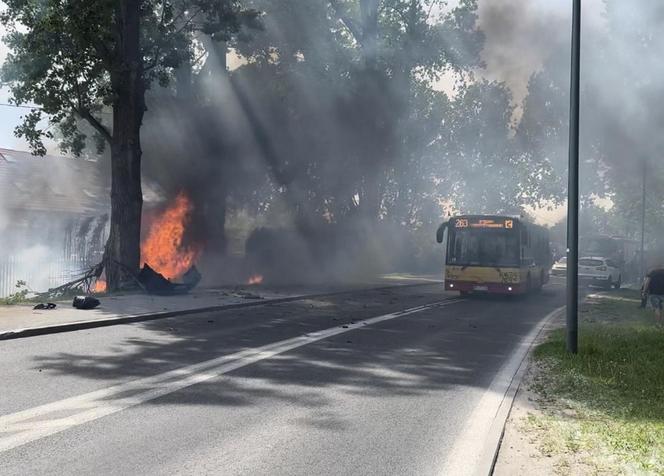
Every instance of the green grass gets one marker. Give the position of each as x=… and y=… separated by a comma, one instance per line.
x=606, y=404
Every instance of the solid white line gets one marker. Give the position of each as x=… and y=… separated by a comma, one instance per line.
x=22, y=427
x=473, y=450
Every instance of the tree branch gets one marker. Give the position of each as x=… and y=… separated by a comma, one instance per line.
x=95, y=123
x=348, y=22
x=84, y=113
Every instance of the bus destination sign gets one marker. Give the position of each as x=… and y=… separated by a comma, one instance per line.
x=483, y=223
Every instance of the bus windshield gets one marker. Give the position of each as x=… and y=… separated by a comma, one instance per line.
x=471, y=247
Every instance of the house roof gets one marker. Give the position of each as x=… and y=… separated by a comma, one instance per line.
x=52, y=183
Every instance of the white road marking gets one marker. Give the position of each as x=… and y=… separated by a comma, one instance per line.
x=473, y=450
x=22, y=427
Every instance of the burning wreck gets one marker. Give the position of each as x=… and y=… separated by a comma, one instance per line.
x=165, y=253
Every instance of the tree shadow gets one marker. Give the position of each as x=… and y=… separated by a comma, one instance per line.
x=461, y=344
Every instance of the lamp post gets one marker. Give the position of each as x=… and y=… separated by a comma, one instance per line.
x=642, y=264
x=573, y=188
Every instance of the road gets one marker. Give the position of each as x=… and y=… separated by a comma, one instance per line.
x=338, y=385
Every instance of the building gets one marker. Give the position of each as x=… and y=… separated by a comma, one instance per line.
x=54, y=215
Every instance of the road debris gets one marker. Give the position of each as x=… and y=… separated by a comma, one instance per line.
x=85, y=302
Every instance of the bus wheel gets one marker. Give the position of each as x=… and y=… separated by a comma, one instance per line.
x=618, y=283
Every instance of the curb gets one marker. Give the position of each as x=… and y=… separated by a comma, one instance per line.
x=497, y=430
x=112, y=321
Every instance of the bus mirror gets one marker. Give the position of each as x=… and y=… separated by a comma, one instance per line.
x=440, y=233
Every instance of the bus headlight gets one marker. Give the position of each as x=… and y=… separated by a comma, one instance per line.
x=509, y=288
x=451, y=285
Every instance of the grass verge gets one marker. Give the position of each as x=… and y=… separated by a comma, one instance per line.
x=603, y=409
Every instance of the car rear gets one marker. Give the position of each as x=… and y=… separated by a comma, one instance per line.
x=559, y=268
x=594, y=271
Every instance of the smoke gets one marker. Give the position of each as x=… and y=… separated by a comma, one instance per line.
x=319, y=161
x=620, y=71
x=53, y=215
x=522, y=34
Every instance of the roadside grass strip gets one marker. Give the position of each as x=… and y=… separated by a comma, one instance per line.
x=603, y=409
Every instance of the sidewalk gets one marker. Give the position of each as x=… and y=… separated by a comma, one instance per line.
x=22, y=320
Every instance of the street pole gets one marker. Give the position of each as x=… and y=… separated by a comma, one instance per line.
x=642, y=266
x=573, y=188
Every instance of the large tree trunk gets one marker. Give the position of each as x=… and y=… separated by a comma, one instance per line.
x=122, y=256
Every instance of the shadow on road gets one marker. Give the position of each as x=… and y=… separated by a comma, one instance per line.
x=462, y=344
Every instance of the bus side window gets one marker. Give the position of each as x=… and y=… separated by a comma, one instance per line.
x=524, y=238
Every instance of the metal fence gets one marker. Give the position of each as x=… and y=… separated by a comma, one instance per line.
x=38, y=276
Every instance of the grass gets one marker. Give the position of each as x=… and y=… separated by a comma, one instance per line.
x=604, y=408
x=20, y=296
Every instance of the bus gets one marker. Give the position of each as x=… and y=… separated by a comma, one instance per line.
x=494, y=254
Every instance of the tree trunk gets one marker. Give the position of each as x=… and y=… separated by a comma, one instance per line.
x=122, y=254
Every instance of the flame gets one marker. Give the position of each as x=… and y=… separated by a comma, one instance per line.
x=163, y=249
x=255, y=279
x=100, y=286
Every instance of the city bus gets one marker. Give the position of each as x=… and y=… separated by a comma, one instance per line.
x=494, y=254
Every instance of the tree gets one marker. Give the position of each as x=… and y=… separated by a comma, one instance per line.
x=337, y=87
x=77, y=58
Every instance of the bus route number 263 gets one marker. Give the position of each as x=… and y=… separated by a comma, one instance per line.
x=461, y=223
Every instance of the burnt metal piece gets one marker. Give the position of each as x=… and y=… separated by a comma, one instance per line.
x=85, y=302
x=156, y=283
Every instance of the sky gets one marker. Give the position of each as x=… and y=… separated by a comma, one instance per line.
x=9, y=116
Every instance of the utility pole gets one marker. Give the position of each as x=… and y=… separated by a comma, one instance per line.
x=573, y=188
x=642, y=265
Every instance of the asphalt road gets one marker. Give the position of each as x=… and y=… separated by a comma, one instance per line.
x=308, y=387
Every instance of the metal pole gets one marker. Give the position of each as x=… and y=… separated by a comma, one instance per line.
x=573, y=188
x=642, y=266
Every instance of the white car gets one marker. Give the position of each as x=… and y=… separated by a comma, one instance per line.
x=559, y=267
x=598, y=271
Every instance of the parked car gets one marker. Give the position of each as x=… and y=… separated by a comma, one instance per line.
x=599, y=271
x=559, y=267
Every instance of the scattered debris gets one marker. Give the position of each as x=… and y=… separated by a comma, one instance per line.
x=85, y=302
x=247, y=295
x=82, y=283
x=46, y=306
x=147, y=280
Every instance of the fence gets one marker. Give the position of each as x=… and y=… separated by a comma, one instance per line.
x=39, y=276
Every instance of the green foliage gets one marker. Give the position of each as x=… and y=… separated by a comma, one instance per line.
x=620, y=125
x=18, y=297
x=59, y=57
x=62, y=55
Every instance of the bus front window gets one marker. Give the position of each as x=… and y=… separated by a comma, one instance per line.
x=484, y=248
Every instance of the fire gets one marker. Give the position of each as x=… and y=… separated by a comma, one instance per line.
x=163, y=248
x=255, y=279
x=100, y=286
